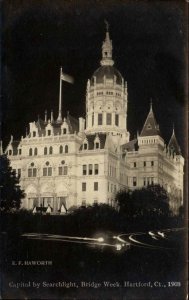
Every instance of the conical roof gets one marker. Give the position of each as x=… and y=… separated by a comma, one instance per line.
x=150, y=127
x=173, y=144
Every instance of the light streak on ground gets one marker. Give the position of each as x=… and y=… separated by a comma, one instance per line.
x=71, y=239
x=100, y=239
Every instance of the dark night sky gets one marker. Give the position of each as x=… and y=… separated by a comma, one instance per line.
x=40, y=36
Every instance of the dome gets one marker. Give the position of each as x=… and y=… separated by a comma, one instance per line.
x=109, y=72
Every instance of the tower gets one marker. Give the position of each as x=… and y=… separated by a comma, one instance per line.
x=106, y=98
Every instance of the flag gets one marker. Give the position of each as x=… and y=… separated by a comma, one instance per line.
x=67, y=77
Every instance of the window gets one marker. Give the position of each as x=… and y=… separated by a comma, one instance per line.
x=64, y=130
x=85, y=146
x=144, y=181
x=92, y=119
x=10, y=152
x=61, y=149
x=51, y=150
x=97, y=145
x=47, y=171
x=35, y=151
x=32, y=172
x=84, y=186
x=90, y=169
x=148, y=180
x=66, y=149
x=62, y=170
x=84, y=169
x=19, y=172
x=30, y=152
x=144, y=164
x=152, y=163
x=117, y=120
x=95, y=186
x=65, y=170
x=99, y=119
x=96, y=169
x=48, y=132
x=134, y=181
x=45, y=151
x=134, y=164
x=152, y=180
x=108, y=119
x=20, y=151
x=34, y=133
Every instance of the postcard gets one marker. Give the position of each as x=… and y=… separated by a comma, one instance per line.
x=94, y=150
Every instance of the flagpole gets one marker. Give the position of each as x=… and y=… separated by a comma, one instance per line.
x=59, y=120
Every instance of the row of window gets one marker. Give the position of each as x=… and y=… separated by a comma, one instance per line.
x=108, y=119
x=146, y=181
x=108, y=93
x=10, y=152
x=48, y=150
x=47, y=171
x=150, y=141
x=49, y=132
x=84, y=186
x=145, y=164
x=90, y=169
x=96, y=145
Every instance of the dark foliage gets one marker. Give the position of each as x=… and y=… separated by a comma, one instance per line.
x=11, y=193
x=148, y=202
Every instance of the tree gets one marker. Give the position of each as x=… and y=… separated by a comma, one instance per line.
x=148, y=201
x=10, y=191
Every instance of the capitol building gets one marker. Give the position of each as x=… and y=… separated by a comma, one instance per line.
x=66, y=162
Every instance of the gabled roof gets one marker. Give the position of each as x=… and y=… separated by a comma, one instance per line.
x=72, y=123
x=150, y=127
x=91, y=138
x=173, y=144
x=130, y=146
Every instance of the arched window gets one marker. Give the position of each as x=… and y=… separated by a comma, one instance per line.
x=35, y=151
x=32, y=170
x=10, y=152
x=61, y=149
x=51, y=150
x=64, y=131
x=63, y=169
x=47, y=169
x=45, y=151
x=66, y=149
x=30, y=152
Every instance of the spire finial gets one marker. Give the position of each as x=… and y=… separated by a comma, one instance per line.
x=173, y=129
x=107, y=49
x=151, y=102
x=107, y=25
x=52, y=118
x=45, y=116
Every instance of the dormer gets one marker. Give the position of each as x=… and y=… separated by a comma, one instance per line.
x=33, y=130
x=97, y=142
x=85, y=144
x=49, y=129
x=64, y=127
